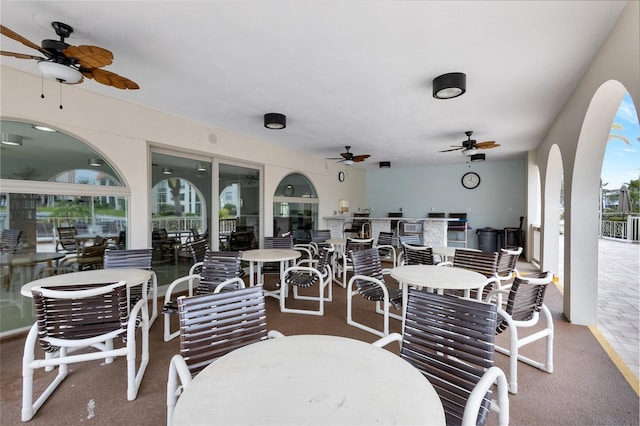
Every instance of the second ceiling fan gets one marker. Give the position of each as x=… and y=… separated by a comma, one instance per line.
x=348, y=158
x=470, y=146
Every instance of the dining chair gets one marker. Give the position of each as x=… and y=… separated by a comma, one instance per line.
x=211, y=326
x=352, y=244
x=281, y=242
x=359, y=227
x=217, y=267
x=477, y=261
x=416, y=255
x=525, y=301
x=10, y=244
x=385, y=247
x=100, y=314
x=506, y=265
x=368, y=280
x=66, y=239
x=140, y=259
x=317, y=272
x=451, y=341
x=87, y=258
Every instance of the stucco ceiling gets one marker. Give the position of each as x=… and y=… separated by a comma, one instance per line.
x=355, y=73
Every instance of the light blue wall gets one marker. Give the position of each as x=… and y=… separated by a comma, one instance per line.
x=498, y=202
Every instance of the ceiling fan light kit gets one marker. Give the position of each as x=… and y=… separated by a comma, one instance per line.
x=275, y=121
x=470, y=152
x=59, y=72
x=385, y=164
x=478, y=157
x=449, y=86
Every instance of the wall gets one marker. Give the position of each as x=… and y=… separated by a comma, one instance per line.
x=498, y=202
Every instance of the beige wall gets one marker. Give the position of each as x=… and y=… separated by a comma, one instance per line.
x=123, y=132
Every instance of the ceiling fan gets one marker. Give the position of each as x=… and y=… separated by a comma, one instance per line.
x=470, y=146
x=348, y=158
x=69, y=64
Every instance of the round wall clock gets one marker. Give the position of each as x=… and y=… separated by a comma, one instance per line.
x=341, y=176
x=470, y=180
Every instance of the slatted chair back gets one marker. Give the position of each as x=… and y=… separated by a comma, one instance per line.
x=66, y=239
x=81, y=317
x=356, y=244
x=367, y=262
x=213, y=325
x=477, y=261
x=412, y=239
x=284, y=242
x=132, y=258
x=385, y=239
x=217, y=267
x=197, y=249
x=507, y=261
x=304, y=279
x=319, y=236
x=10, y=240
x=91, y=257
x=525, y=299
x=417, y=255
x=451, y=341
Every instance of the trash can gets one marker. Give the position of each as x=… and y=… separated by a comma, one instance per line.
x=487, y=239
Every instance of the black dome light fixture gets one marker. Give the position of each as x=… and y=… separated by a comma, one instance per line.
x=448, y=86
x=276, y=121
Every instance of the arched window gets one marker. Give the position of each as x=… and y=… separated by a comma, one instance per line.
x=295, y=207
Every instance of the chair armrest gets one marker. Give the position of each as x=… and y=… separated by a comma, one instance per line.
x=491, y=376
x=189, y=278
x=384, y=341
x=308, y=249
x=195, y=268
x=274, y=334
x=447, y=263
x=237, y=282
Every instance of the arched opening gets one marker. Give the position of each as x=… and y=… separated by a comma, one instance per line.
x=553, y=212
x=295, y=207
x=582, y=214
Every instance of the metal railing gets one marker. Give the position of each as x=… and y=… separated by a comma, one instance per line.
x=628, y=230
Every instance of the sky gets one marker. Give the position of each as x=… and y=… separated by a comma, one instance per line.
x=621, y=162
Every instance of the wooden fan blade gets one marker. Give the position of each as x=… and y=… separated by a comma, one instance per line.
x=359, y=158
x=21, y=55
x=486, y=145
x=453, y=149
x=89, y=56
x=109, y=78
x=17, y=37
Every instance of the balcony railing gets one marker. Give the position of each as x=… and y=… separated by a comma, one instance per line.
x=628, y=230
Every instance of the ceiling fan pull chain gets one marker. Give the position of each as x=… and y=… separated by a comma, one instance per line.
x=41, y=86
x=60, y=82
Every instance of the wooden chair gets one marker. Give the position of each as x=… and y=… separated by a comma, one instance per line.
x=368, y=280
x=299, y=276
x=217, y=267
x=211, y=326
x=141, y=259
x=100, y=314
x=451, y=341
x=524, y=303
x=89, y=257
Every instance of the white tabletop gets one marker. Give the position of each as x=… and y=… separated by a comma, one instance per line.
x=132, y=276
x=336, y=241
x=444, y=251
x=270, y=255
x=440, y=277
x=311, y=380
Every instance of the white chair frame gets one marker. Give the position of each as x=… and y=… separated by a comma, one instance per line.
x=103, y=343
x=324, y=281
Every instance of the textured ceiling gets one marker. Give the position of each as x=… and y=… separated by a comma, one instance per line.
x=355, y=73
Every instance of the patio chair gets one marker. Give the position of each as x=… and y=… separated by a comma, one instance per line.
x=416, y=255
x=368, y=280
x=513, y=236
x=66, y=241
x=522, y=310
x=141, y=259
x=164, y=247
x=451, y=341
x=359, y=227
x=506, y=265
x=89, y=257
x=352, y=244
x=99, y=316
x=477, y=261
x=217, y=267
x=385, y=247
x=299, y=276
x=211, y=326
x=9, y=244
